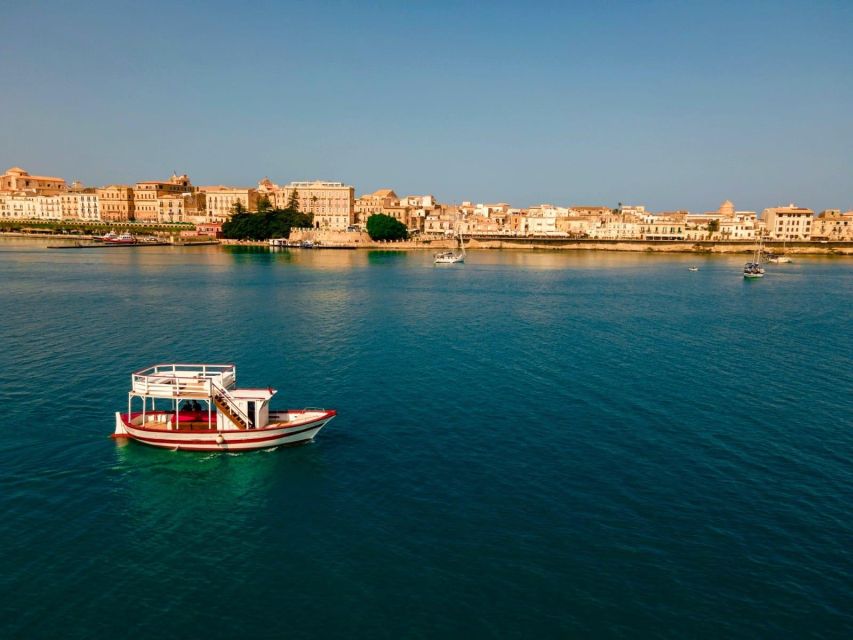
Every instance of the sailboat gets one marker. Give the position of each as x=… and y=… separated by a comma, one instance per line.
x=451, y=257
x=779, y=258
x=754, y=269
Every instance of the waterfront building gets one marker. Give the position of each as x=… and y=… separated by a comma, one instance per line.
x=743, y=225
x=663, y=227
x=479, y=224
x=442, y=220
x=80, y=204
x=634, y=210
x=589, y=210
x=613, y=226
x=181, y=207
x=542, y=219
x=492, y=209
x=331, y=203
x=788, y=222
x=831, y=224
x=369, y=204
x=577, y=226
x=146, y=195
x=28, y=206
x=221, y=200
x=418, y=207
x=116, y=203
x=16, y=179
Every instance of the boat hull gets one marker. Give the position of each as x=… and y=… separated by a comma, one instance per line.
x=212, y=440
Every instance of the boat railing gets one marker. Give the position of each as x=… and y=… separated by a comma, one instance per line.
x=171, y=380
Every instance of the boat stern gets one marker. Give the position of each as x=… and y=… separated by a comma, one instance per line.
x=121, y=431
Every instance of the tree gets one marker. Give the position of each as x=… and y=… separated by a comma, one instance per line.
x=713, y=227
x=264, y=204
x=238, y=208
x=275, y=223
x=384, y=227
x=293, y=200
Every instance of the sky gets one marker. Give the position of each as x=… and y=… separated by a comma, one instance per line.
x=674, y=105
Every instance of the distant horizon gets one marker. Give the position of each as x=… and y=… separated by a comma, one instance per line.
x=671, y=105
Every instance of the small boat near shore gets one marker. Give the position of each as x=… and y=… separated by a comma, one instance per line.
x=693, y=268
x=201, y=409
x=451, y=257
x=752, y=270
x=778, y=259
x=113, y=238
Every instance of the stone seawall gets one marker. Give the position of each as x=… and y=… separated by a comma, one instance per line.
x=363, y=241
x=660, y=246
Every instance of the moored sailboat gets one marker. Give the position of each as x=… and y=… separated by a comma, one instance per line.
x=754, y=269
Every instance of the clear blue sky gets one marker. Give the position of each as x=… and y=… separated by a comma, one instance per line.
x=668, y=104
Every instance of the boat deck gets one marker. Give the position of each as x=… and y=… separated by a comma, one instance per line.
x=183, y=380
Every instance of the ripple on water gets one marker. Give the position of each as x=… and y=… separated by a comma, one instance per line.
x=531, y=445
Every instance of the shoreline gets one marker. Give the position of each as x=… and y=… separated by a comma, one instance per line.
x=699, y=247
x=695, y=247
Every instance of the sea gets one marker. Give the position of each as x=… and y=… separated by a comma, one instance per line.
x=528, y=445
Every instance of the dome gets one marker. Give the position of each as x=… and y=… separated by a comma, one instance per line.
x=727, y=208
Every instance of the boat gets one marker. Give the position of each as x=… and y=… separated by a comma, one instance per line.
x=754, y=269
x=777, y=259
x=693, y=268
x=201, y=409
x=124, y=238
x=451, y=257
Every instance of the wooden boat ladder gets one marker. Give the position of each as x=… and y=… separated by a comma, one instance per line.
x=228, y=407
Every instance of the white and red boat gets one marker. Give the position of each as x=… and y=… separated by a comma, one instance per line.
x=201, y=409
x=124, y=238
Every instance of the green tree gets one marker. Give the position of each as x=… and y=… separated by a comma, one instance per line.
x=275, y=223
x=713, y=227
x=264, y=204
x=384, y=227
x=238, y=208
x=293, y=200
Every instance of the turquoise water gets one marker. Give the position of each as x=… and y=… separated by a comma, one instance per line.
x=529, y=445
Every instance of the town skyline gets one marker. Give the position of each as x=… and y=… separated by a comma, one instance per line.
x=674, y=105
x=713, y=201
x=334, y=207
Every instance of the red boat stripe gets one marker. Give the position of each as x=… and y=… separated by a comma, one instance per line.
x=316, y=425
x=125, y=420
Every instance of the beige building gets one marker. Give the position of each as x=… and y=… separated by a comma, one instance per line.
x=788, y=223
x=331, y=203
x=27, y=206
x=442, y=220
x=833, y=225
x=615, y=226
x=181, y=207
x=116, y=202
x=220, y=201
x=589, y=210
x=664, y=227
x=146, y=194
x=370, y=203
x=577, y=226
x=16, y=179
x=81, y=205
